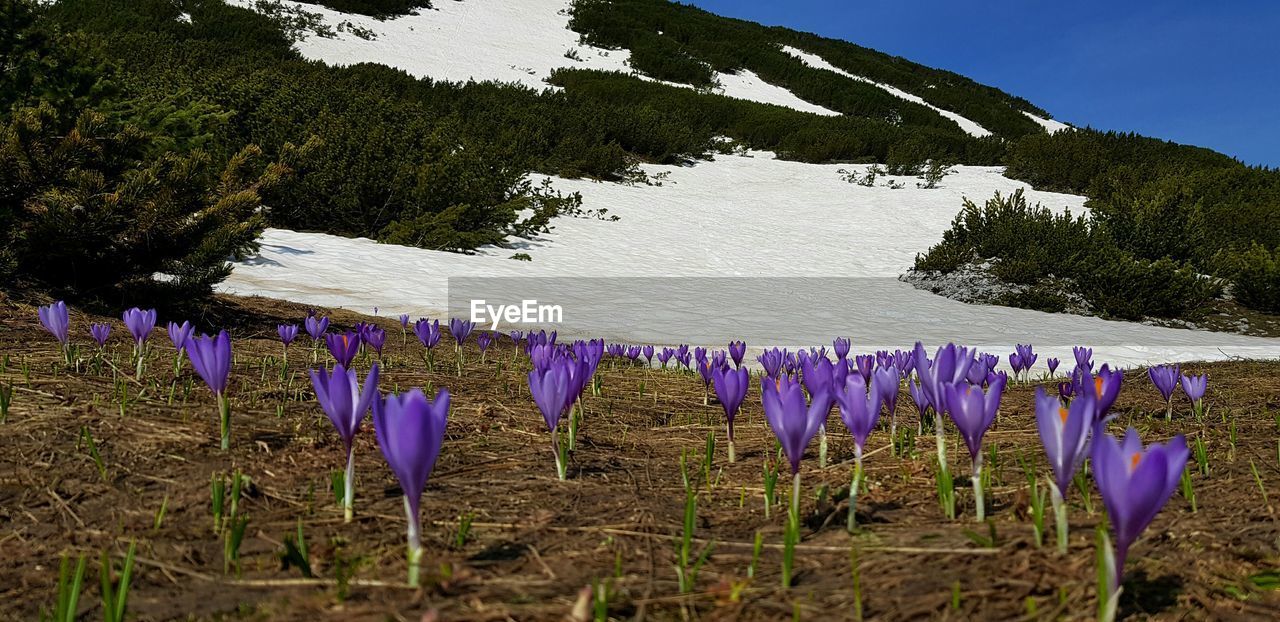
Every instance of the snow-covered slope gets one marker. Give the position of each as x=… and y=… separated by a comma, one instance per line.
x=738, y=216
x=1049, y=125
x=813, y=60
x=734, y=217
x=515, y=41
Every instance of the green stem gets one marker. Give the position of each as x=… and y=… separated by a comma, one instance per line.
x=942, y=441
x=979, y=505
x=795, y=497
x=561, y=468
x=349, y=488
x=853, y=490
x=224, y=420
x=792, y=533
x=415, y=545
x=1059, y=516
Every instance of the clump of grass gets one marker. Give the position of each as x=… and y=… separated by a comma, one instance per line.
x=464, y=530
x=115, y=595
x=70, y=584
x=295, y=553
x=946, y=490
x=87, y=438
x=1188, y=492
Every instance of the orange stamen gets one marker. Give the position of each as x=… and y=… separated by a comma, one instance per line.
x=1062, y=412
x=1133, y=461
x=1097, y=385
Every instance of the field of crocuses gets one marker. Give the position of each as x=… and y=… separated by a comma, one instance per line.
x=269, y=461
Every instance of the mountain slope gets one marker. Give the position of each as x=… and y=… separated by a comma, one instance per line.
x=438, y=128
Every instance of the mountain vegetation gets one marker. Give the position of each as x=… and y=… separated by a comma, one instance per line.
x=1169, y=226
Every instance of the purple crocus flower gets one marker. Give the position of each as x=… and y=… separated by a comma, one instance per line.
x=410, y=431
x=905, y=361
x=362, y=330
x=665, y=355
x=460, y=329
x=1135, y=483
x=1195, y=387
x=1027, y=354
x=179, y=334
x=56, y=320
x=841, y=345
x=287, y=332
x=316, y=327
x=343, y=347
x=737, y=349
x=705, y=371
x=865, y=363
x=346, y=404
x=648, y=354
x=1015, y=363
x=1052, y=363
x=977, y=372
x=859, y=409
x=404, y=321
x=771, y=361
x=1105, y=388
x=886, y=382
x=1084, y=357
x=375, y=338
x=140, y=324
x=516, y=336
x=731, y=389
x=550, y=386
x=950, y=364
x=1165, y=378
x=793, y=421
x=1065, y=435
x=919, y=399
x=428, y=332
x=817, y=374
x=211, y=359
x=100, y=333
x=973, y=412
x=1066, y=390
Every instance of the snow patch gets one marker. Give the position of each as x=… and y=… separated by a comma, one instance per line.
x=747, y=85
x=1049, y=125
x=738, y=216
x=817, y=62
x=513, y=41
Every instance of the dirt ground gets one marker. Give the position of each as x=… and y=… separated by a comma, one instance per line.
x=535, y=542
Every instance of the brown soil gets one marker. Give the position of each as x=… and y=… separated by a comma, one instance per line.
x=535, y=542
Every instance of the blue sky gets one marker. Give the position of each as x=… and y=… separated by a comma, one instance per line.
x=1204, y=73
